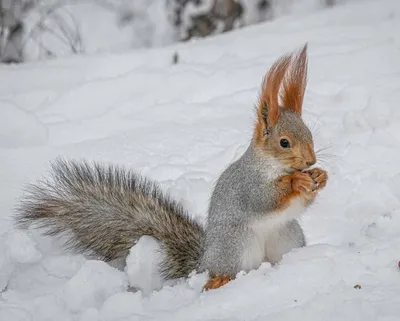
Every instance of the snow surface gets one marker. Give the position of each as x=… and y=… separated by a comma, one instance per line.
x=181, y=125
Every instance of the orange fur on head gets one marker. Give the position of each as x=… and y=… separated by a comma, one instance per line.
x=268, y=106
x=295, y=82
x=289, y=72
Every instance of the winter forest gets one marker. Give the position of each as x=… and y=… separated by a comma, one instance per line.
x=172, y=90
x=37, y=30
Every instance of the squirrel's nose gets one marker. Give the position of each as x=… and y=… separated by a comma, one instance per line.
x=309, y=155
x=311, y=162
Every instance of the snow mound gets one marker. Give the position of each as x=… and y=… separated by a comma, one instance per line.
x=142, y=265
x=22, y=248
x=92, y=285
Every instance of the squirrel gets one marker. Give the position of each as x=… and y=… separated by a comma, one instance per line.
x=253, y=210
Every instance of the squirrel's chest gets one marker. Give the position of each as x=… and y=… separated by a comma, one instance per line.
x=274, y=221
x=265, y=234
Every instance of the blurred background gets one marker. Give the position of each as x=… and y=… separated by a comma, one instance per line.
x=36, y=30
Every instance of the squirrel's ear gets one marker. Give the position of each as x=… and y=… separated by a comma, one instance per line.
x=268, y=105
x=295, y=82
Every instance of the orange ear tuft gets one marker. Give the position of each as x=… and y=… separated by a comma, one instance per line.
x=268, y=106
x=295, y=82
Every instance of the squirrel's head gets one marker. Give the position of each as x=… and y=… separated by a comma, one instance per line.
x=280, y=131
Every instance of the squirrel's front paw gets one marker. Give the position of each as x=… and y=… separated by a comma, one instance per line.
x=319, y=176
x=304, y=184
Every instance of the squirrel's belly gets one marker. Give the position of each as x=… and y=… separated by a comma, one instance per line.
x=263, y=230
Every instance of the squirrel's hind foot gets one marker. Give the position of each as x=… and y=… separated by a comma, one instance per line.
x=217, y=282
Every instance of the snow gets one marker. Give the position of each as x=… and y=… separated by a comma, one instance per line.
x=14, y=133
x=100, y=280
x=182, y=125
x=141, y=265
x=21, y=248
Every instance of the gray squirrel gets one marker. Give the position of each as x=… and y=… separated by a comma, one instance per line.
x=253, y=210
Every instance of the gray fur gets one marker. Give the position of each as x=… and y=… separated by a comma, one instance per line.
x=291, y=122
x=239, y=196
x=244, y=195
x=106, y=209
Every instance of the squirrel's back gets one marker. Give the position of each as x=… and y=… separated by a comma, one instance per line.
x=105, y=209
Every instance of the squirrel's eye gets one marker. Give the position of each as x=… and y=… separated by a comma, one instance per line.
x=285, y=143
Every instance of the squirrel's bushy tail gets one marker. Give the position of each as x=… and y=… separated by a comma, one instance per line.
x=105, y=209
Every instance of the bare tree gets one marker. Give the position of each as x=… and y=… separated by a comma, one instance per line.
x=46, y=27
x=11, y=28
x=212, y=16
x=52, y=21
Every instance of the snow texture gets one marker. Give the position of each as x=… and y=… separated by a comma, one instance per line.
x=182, y=124
x=141, y=265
